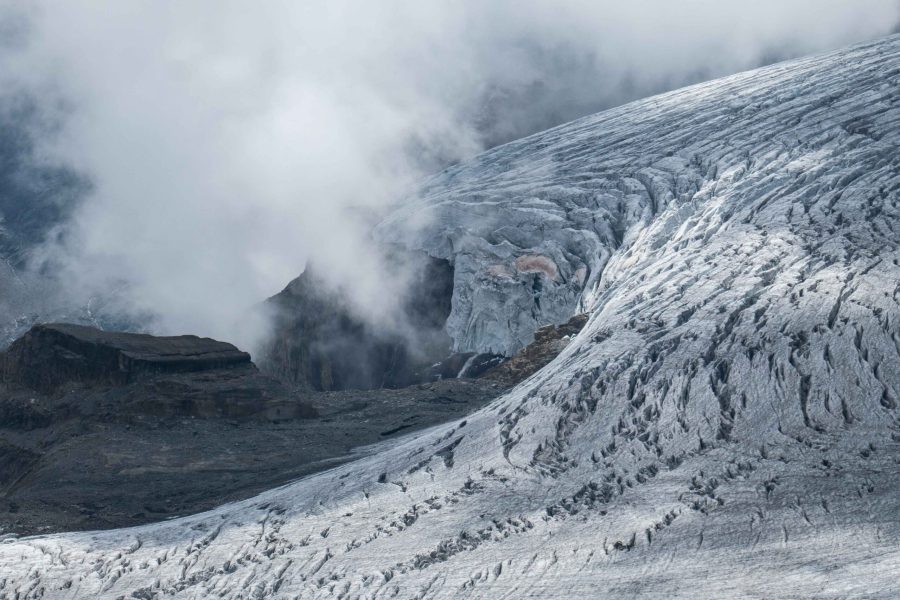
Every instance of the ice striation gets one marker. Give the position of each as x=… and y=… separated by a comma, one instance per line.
x=725, y=425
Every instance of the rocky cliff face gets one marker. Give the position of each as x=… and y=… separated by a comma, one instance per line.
x=725, y=425
x=56, y=354
x=321, y=341
x=79, y=370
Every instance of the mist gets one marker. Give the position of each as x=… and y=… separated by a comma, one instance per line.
x=227, y=144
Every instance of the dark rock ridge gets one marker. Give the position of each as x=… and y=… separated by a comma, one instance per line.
x=55, y=354
x=82, y=371
x=320, y=342
x=105, y=429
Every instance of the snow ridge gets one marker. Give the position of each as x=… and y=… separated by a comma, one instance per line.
x=726, y=425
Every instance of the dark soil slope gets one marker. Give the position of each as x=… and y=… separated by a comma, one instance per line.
x=104, y=429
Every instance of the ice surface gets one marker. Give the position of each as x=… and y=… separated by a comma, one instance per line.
x=726, y=425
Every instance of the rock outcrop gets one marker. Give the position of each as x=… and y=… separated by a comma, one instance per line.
x=56, y=354
x=549, y=342
x=321, y=342
x=89, y=372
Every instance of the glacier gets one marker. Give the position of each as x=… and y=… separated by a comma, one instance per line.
x=725, y=426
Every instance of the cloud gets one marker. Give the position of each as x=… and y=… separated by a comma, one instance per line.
x=227, y=142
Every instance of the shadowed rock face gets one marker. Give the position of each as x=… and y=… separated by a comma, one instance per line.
x=320, y=342
x=52, y=355
x=101, y=428
x=86, y=372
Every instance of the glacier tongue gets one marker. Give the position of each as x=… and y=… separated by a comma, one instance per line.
x=726, y=425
